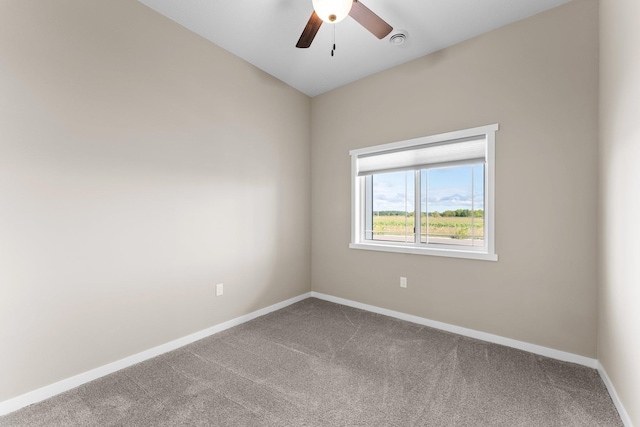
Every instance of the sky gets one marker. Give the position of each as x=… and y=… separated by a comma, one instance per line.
x=447, y=189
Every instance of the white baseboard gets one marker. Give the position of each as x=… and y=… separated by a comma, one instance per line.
x=521, y=345
x=51, y=390
x=626, y=420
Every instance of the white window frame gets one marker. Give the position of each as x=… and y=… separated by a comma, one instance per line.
x=486, y=252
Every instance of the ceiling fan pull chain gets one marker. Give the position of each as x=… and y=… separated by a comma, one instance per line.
x=334, y=39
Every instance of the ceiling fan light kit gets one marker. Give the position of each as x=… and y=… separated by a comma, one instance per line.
x=332, y=11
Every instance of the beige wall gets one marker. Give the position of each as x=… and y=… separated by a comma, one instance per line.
x=619, y=298
x=538, y=79
x=139, y=166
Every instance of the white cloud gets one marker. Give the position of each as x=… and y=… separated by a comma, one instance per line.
x=388, y=197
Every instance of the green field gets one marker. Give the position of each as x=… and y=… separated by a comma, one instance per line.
x=444, y=227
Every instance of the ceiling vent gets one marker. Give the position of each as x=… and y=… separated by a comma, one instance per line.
x=398, y=38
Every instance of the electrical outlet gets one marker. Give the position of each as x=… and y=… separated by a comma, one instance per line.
x=403, y=282
x=219, y=289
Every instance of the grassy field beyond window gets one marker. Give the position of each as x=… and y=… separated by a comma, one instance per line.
x=441, y=227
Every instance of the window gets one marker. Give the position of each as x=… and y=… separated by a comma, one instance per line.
x=430, y=195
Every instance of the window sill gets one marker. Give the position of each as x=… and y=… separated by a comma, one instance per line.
x=451, y=253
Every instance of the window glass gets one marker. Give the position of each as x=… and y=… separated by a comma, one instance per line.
x=455, y=205
x=393, y=206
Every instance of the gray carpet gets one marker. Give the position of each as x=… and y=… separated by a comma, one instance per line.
x=317, y=363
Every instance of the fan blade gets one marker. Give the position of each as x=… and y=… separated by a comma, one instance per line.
x=309, y=31
x=369, y=20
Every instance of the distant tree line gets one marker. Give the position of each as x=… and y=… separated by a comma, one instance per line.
x=478, y=213
x=392, y=213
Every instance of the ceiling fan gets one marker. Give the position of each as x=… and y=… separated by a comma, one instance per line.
x=333, y=11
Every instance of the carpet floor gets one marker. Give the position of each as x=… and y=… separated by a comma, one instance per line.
x=316, y=363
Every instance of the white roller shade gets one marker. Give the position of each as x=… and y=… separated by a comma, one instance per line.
x=465, y=150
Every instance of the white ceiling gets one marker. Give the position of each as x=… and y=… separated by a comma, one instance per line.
x=265, y=32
